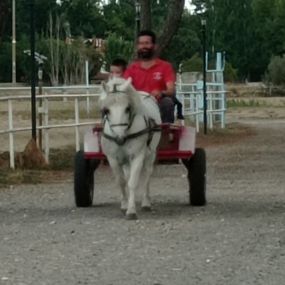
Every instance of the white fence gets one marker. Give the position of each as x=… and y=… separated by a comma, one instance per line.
x=190, y=96
x=43, y=110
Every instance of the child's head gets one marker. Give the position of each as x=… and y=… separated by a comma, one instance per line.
x=118, y=67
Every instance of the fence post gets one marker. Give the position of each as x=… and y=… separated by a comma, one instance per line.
x=87, y=86
x=77, y=143
x=46, y=130
x=11, y=135
x=223, y=106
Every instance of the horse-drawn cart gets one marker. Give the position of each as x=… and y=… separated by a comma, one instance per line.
x=176, y=143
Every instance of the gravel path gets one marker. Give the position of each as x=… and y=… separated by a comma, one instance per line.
x=238, y=238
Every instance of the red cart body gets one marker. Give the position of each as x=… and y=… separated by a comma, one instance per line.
x=177, y=142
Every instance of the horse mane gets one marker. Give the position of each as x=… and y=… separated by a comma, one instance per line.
x=118, y=89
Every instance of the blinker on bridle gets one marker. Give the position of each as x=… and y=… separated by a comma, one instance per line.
x=151, y=127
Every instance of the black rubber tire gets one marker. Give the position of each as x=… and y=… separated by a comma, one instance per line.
x=84, y=180
x=197, y=178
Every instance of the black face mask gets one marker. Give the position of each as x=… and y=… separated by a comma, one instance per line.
x=145, y=53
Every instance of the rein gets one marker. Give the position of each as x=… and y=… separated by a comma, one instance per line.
x=150, y=129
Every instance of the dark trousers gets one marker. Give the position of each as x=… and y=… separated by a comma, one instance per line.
x=179, y=108
x=166, y=107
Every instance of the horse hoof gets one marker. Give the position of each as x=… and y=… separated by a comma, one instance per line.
x=146, y=208
x=131, y=217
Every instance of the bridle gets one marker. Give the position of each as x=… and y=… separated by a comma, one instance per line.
x=150, y=128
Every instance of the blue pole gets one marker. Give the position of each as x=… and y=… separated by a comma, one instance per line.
x=204, y=76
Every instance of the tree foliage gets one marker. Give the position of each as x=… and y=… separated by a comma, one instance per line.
x=251, y=32
x=117, y=47
x=276, y=70
x=5, y=9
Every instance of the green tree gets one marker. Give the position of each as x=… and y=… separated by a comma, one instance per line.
x=117, y=47
x=5, y=15
x=119, y=18
x=171, y=23
x=276, y=70
x=186, y=42
x=270, y=28
x=85, y=17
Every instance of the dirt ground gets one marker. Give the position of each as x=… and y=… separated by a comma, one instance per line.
x=237, y=238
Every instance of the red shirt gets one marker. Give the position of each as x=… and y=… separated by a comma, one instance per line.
x=153, y=78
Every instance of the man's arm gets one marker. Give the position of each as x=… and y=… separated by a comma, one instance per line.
x=169, y=91
x=170, y=78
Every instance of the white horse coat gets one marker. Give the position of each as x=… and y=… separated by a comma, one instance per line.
x=130, y=139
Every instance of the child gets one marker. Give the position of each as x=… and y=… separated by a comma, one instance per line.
x=118, y=67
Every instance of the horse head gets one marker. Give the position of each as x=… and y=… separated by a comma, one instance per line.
x=119, y=102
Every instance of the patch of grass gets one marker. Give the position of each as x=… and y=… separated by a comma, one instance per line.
x=27, y=176
x=69, y=114
x=61, y=163
x=237, y=103
x=19, y=176
x=62, y=159
x=65, y=114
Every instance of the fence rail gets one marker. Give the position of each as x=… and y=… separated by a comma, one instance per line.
x=46, y=126
x=189, y=95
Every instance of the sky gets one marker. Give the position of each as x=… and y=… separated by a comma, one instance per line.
x=188, y=4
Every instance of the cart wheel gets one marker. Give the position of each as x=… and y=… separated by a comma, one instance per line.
x=196, y=166
x=84, y=180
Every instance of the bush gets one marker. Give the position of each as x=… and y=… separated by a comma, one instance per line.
x=276, y=71
x=194, y=64
x=68, y=69
x=66, y=61
x=230, y=73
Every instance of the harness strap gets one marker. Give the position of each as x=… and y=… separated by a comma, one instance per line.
x=150, y=129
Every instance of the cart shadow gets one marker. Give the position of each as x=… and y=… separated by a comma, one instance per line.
x=178, y=209
x=234, y=209
x=160, y=210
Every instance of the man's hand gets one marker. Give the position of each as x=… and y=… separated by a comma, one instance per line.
x=156, y=94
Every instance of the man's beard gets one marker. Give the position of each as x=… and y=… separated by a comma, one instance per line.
x=145, y=53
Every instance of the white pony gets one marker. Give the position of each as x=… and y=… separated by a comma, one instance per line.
x=129, y=139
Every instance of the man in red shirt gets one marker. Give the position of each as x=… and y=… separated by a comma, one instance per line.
x=153, y=75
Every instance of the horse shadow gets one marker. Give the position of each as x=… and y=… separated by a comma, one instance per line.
x=181, y=210
x=175, y=209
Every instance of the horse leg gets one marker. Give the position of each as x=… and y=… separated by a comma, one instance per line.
x=148, y=169
x=146, y=202
x=121, y=182
x=135, y=172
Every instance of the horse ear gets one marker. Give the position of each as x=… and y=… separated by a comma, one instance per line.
x=104, y=91
x=127, y=84
x=104, y=86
